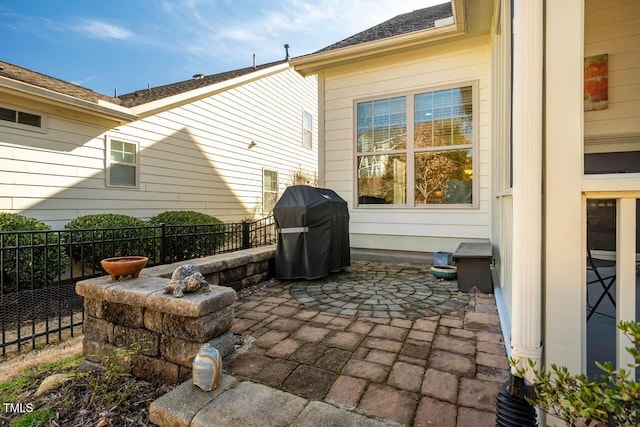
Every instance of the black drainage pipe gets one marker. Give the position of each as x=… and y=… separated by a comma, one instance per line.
x=512, y=410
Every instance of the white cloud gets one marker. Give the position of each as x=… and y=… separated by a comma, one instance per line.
x=103, y=30
x=219, y=35
x=82, y=82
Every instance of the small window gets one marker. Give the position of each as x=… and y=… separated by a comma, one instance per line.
x=122, y=163
x=269, y=190
x=307, y=129
x=22, y=119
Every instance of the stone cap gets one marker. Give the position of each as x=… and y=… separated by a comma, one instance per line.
x=148, y=289
x=215, y=263
x=148, y=292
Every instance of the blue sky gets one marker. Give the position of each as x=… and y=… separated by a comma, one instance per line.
x=127, y=44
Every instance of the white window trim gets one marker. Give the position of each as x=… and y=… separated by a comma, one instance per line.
x=263, y=190
x=44, y=125
x=108, y=163
x=409, y=95
x=310, y=146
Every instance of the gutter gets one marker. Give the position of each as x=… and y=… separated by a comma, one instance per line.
x=310, y=64
x=100, y=108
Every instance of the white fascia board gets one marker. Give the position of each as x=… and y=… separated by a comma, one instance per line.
x=101, y=108
x=311, y=64
x=153, y=107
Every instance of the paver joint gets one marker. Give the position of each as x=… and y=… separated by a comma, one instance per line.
x=385, y=344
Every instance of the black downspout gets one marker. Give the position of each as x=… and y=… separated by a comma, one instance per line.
x=512, y=410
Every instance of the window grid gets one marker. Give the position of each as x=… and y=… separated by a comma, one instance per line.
x=426, y=162
x=122, y=165
x=21, y=119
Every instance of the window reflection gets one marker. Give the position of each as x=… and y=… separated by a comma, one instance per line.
x=601, y=283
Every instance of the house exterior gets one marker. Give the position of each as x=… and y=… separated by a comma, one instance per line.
x=225, y=144
x=487, y=119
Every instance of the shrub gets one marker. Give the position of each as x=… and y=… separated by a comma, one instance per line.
x=190, y=234
x=24, y=264
x=94, y=237
x=613, y=398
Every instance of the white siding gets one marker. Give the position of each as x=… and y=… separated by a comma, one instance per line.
x=192, y=157
x=396, y=228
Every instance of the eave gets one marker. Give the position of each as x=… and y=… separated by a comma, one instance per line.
x=469, y=20
x=102, y=109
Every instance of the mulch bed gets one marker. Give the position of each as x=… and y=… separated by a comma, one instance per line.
x=84, y=401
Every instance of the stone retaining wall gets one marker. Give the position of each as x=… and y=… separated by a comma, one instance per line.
x=129, y=310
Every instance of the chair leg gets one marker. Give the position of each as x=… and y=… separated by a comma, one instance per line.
x=605, y=293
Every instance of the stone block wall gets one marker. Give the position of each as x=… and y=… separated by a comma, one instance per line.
x=129, y=310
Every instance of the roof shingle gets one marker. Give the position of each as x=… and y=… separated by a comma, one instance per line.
x=155, y=93
x=34, y=78
x=417, y=20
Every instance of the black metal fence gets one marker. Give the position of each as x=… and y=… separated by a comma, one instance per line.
x=38, y=303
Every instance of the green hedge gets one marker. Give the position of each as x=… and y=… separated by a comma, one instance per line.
x=109, y=235
x=19, y=264
x=204, y=235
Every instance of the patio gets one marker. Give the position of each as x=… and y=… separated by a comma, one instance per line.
x=383, y=340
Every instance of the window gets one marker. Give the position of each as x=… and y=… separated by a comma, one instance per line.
x=428, y=161
x=22, y=119
x=269, y=190
x=307, y=129
x=122, y=163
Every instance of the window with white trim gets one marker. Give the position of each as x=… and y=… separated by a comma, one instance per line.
x=416, y=149
x=307, y=129
x=21, y=118
x=269, y=190
x=122, y=163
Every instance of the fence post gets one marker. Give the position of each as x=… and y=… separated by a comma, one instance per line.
x=246, y=235
x=163, y=244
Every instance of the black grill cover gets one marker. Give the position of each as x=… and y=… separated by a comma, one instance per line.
x=314, y=233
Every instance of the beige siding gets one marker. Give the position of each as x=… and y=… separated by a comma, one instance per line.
x=396, y=228
x=613, y=27
x=193, y=157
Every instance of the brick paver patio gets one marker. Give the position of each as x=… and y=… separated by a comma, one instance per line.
x=384, y=340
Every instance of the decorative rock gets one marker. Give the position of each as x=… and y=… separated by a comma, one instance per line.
x=186, y=278
x=50, y=383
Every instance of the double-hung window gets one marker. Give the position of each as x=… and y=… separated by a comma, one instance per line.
x=416, y=149
x=269, y=190
x=122, y=163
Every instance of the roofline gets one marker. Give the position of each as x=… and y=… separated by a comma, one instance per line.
x=311, y=64
x=101, y=108
x=153, y=107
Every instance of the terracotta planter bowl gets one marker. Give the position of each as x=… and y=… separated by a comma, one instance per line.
x=122, y=266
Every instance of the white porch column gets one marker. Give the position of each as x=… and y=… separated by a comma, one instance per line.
x=527, y=180
x=564, y=206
